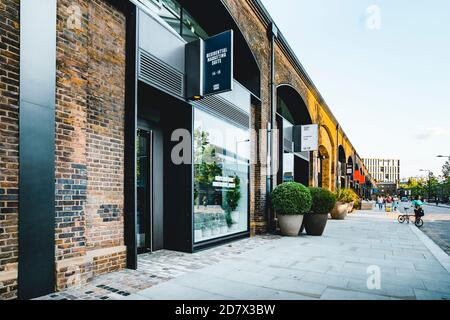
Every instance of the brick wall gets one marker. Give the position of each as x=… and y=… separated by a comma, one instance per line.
x=89, y=138
x=9, y=146
x=256, y=36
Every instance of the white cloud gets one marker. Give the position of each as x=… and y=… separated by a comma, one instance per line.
x=434, y=132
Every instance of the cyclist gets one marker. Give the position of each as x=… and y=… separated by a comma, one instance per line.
x=417, y=205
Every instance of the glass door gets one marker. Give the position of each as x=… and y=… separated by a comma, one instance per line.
x=144, y=191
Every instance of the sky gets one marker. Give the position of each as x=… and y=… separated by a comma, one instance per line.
x=383, y=67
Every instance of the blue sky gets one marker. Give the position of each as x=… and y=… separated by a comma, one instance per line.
x=388, y=83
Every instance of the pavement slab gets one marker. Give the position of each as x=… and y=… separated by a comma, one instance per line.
x=336, y=266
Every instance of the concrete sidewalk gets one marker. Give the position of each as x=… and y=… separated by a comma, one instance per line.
x=334, y=266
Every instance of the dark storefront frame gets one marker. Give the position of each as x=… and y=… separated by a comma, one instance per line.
x=186, y=242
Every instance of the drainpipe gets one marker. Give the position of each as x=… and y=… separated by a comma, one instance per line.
x=337, y=158
x=271, y=182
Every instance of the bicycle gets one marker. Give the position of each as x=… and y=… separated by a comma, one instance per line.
x=406, y=217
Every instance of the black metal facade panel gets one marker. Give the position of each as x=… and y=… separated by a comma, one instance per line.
x=130, y=140
x=36, y=270
x=36, y=201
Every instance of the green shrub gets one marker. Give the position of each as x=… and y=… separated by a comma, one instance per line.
x=291, y=198
x=323, y=201
x=354, y=195
x=234, y=195
x=345, y=195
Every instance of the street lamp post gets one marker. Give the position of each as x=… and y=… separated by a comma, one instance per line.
x=429, y=183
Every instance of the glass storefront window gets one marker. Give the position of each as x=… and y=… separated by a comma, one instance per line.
x=191, y=30
x=178, y=18
x=221, y=177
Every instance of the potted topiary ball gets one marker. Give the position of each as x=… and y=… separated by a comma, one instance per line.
x=340, y=210
x=291, y=201
x=323, y=202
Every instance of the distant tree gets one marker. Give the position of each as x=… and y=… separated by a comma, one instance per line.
x=446, y=169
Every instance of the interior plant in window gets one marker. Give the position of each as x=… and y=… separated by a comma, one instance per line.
x=207, y=226
x=206, y=165
x=233, y=198
x=291, y=200
x=223, y=224
x=323, y=202
x=215, y=229
x=198, y=226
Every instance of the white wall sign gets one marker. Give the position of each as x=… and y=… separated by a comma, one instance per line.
x=310, y=137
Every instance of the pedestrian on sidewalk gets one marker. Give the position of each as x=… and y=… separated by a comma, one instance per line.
x=380, y=202
x=395, y=203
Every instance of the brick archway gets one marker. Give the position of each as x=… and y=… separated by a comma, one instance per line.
x=324, y=168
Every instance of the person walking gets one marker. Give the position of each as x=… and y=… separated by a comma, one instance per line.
x=395, y=203
x=380, y=202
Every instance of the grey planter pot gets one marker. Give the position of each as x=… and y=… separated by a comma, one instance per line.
x=290, y=224
x=315, y=223
x=340, y=211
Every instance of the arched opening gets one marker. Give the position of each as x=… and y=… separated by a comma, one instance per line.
x=324, y=174
x=292, y=113
x=342, y=159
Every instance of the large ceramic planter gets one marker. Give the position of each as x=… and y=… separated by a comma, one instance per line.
x=290, y=224
x=340, y=211
x=366, y=205
x=350, y=207
x=315, y=223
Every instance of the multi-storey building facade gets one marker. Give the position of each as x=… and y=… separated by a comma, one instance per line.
x=93, y=111
x=383, y=170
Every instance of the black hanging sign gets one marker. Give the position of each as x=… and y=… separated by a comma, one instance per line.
x=218, y=63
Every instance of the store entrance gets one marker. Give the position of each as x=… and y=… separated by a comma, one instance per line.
x=144, y=210
x=149, y=189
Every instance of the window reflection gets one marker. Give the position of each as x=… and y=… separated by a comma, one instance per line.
x=221, y=168
x=178, y=18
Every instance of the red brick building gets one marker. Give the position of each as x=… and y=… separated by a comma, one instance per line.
x=93, y=108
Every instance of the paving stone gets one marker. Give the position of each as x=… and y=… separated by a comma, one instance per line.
x=340, y=294
x=431, y=295
x=439, y=286
x=389, y=290
x=270, y=267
